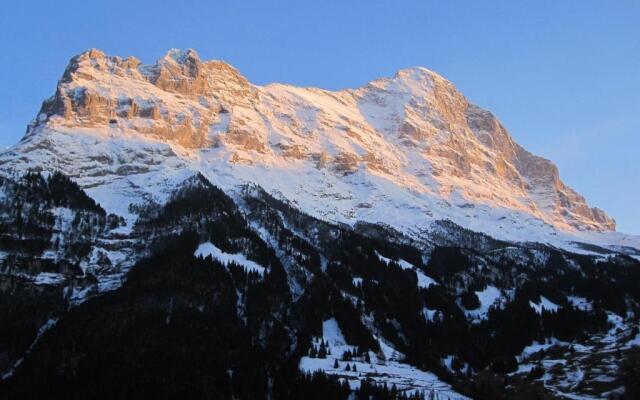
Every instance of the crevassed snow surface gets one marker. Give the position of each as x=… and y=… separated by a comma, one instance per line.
x=391, y=370
x=209, y=249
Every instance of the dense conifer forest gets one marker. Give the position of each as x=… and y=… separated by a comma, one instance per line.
x=180, y=325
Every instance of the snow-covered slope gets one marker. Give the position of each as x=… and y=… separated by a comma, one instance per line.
x=386, y=367
x=405, y=151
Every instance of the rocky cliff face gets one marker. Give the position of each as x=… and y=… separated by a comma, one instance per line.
x=406, y=151
x=177, y=99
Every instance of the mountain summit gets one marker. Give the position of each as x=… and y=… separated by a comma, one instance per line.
x=405, y=151
x=254, y=242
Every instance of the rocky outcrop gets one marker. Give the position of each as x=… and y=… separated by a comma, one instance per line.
x=532, y=173
x=177, y=99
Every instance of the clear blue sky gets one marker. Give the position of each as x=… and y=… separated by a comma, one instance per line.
x=563, y=76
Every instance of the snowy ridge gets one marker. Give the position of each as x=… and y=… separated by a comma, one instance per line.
x=405, y=151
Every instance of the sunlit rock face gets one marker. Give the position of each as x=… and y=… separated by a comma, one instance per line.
x=178, y=98
x=411, y=146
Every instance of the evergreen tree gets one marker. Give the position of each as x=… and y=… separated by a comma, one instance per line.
x=322, y=353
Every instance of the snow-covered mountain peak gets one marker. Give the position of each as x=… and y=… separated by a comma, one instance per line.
x=406, y=150
x=416, y=78
x=182, y=56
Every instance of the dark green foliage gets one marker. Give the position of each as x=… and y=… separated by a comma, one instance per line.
x=536, y=372
x=27, y=214
x=171, y=330
x=63, y=192
x=456, y=364
x=504, y=365
x=181, y=326
x=137, y=340
x=24, y=308
x=445, y=262
x=630, y=375
x=322, y=351
x=313, y=387
x=370, y=390
x=28, y=222
x=469, y=300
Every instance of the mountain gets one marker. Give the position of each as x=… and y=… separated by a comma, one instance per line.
x=405, y=151
x=174, y=230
